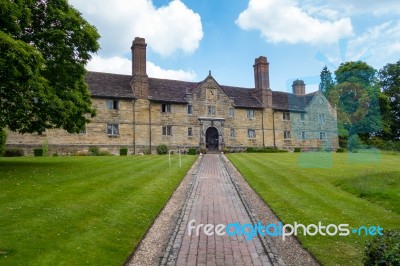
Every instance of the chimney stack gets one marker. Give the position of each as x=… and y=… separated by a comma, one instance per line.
x=261, y=78
x=298, y=87
x=139, y=57
x=139, y=81
x=261, y=73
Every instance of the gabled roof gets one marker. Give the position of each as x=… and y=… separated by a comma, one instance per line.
x=291, y=102
x=105, y=85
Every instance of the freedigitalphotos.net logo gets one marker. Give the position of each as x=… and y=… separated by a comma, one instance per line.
x=249, y=231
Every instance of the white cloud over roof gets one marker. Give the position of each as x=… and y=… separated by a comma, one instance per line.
x=168, y=29
x=122, y=65
x=284, y=21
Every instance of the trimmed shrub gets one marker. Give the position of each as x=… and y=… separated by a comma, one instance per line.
x=162, y=149
x=103, y=153
x=94, y=151
x=192, y=151
x=297, y=149
x=341, y=150
x=3, y=139
x=383, y=249
x=14, y=152
x=263, y=150
x=147, y=151
x=38, y=152
x=123, y=151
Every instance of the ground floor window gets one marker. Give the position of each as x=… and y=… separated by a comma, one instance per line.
x=190, y=132
x=286, y=134
x=167, y=131
x=251, y=133
x=232, y=133
x=303, y=135
x=322, y=135
x=112, y=129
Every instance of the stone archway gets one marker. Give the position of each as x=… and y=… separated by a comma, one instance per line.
x=212, y=139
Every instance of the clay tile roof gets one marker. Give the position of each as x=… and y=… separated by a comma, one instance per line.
x=242, y=97
x=291, y=102
x=109, y=85
x=164, y=90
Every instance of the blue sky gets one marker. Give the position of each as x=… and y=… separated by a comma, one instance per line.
x=187, y=38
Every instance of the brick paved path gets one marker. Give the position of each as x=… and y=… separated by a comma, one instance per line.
x=213, y=199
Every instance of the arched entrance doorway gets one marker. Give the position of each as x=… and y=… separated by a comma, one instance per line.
x=212, y=139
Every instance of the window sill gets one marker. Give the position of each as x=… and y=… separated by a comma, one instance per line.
x=113, y=136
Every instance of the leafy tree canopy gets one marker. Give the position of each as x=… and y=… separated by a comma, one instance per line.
x=389, y=77
x=357, y=72
x=357, y=98
x=44, y=46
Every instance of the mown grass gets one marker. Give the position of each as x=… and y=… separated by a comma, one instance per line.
x=327, y=188
x=81, y=210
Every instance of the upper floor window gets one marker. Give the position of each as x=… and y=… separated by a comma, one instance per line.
x=166, y=108
x=231, y=112
x=167, y=130
x=286, y=116
x=190, y=132
x=190, y=109
x=250, y=113
x=211, y=110
x=112, y=129
x=302, y=117
x=286, y=134
x=321, y=119
x=251, y=133
x=112, y=104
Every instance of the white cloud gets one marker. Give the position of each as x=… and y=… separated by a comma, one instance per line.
x=167, y=29
x=157, y=72
x=121, y=65
x=113, y=64
x=284, y=21
x=377, y=45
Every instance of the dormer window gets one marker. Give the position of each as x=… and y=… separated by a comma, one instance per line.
x=286, y=116
x=166, y=108
x=112, y=104
x=250, y=113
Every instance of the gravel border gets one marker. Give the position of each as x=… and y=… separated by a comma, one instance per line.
x=290, y=250
x=153, y=245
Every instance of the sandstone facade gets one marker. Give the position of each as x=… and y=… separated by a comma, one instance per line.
x=139, y=113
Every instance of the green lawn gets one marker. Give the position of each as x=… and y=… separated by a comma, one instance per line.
x=328, y=188
x=81, y=210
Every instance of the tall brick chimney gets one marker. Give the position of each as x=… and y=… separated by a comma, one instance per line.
x=139, y=77
x=298, y=87
x=261, y=79
x=261, y=73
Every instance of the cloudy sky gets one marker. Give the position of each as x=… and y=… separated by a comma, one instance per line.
x=187, y=38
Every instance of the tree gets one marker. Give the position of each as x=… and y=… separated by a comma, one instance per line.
x=389, y=77
x=327, y=83
x=44, y=46
x=357, y=98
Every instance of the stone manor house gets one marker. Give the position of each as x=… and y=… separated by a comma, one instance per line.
x=140, y=112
